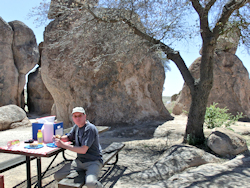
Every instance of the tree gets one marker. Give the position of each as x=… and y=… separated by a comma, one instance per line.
x=165, y=22
x=40, y=13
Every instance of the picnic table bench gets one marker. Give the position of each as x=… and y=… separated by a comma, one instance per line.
x=77, y=179
x=12, y=163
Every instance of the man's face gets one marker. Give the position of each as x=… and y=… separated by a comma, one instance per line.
x=79, y=119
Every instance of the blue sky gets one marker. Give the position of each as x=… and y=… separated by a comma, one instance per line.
x=11, y=10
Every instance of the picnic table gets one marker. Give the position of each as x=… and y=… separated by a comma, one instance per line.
x=30, y=154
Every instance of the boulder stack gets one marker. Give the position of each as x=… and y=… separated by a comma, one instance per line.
x=231, y=86
x=19, y=54
x=99, y=66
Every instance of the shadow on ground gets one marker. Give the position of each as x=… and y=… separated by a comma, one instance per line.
x=109, y=176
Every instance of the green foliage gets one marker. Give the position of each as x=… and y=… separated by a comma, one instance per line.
x=216, y=117
x=170, y=110
x=185, y=112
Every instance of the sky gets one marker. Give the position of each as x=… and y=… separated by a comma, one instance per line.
x=11, y=10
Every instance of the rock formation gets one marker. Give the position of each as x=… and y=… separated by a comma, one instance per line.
x=175, y=160
x=226, y=143
x=12, y=116
x=231, y=86
x=19, y=54
x=233, y=173
x=39, y=99
x=8, y=70
x=99, y=66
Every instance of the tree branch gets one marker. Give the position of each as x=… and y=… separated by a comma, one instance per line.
x=228, y=9
x=203, y=15
x=198, y=8
x=171, y=53
x=209, y=5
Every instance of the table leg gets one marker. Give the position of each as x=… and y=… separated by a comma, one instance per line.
x=63, y=154
x=39, y=172
x=28, y=171
x=42, y=175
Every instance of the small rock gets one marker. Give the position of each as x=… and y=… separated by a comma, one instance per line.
x=226, y=143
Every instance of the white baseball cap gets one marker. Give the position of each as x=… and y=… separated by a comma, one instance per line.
x=78, y=109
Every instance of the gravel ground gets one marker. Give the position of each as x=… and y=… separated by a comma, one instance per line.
x=140, y=153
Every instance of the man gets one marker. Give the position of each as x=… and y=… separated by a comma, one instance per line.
x=86, y=146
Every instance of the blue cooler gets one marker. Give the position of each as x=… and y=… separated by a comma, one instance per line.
x=58, y=129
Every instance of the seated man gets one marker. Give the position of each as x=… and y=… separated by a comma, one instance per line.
x=87, y=147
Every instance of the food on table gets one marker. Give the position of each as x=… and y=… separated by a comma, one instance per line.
x=13, y=143
x=58, y=136
x=33, y=145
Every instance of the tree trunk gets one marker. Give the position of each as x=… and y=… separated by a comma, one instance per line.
x=194, y=130
x=194, y=134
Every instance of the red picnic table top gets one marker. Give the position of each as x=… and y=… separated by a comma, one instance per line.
x=44, y=151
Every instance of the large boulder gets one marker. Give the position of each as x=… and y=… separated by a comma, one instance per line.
x=228, y=42
x=12, y=116
x=233, y=174
x=25, y=54
x=175, y=160
x=19, y=54
x=226, y=143
x=114, y=76
x=231, y=86
x=25, y=49
x=8, y=70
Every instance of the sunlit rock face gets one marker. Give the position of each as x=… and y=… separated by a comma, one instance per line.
x=231, y=86
x=103, y=67
x=58, y=7
x=19, y=54
x=8, y=70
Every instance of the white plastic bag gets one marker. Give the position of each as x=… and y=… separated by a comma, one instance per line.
x=47, y=128
x=48, y=132
x=46, y=119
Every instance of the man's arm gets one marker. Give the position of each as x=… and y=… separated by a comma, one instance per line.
x=64, y=138
x=60, y=143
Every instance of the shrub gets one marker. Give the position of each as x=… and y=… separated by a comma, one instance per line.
x=216, y=117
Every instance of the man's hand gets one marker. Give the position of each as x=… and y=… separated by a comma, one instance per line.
x=63, y=138
x=59, y=143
